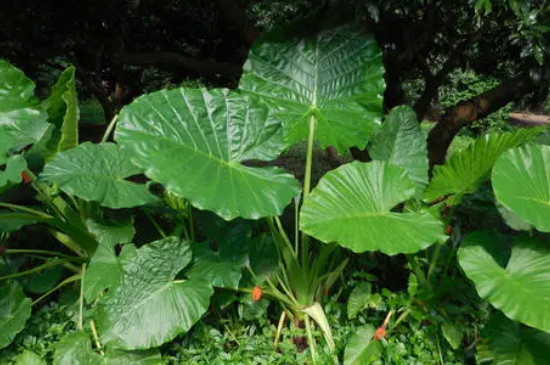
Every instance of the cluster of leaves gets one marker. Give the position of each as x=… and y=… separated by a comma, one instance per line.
x=200, y=148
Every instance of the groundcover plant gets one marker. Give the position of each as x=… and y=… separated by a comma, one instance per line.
x=205, y=150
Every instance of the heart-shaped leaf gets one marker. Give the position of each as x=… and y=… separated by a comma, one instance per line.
x=468, y=168
x=15, y=309
x=148, y=307
x=219, y=270
x=402, y=143
x=21, y=115
x=352, y=205
x=193, y=142
x=15, y=165
x=97, y=172
x=336, y=75
x=521, y=182
x=520, y=286
x=511, y=343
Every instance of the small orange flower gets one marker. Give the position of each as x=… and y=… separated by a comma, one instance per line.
x=448, y=229
x=380, y=332
x=26, y=178
x=256, y=293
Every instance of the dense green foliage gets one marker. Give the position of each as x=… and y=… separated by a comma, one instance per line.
x=179, y=240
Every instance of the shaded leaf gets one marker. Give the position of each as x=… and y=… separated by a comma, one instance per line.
x=336, y=75
x=512, y=343
x=520, y=286
x=453, y=334
x=214, y=267
x=352, y=205
x=104, y=269
x=29, y=358
x=15, y=309
x=402, y=143
x=521, y=182
x=193, y=142
x=97, y=172
x=359, y=299
x=15, y=165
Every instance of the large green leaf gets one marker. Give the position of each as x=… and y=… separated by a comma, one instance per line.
x=63, y=116
x=15, y=309
x=402, y=143
x=336, y=75
x=21, y=115
x=520, y=286
x=511, y=343
x=352, y=206
x=148, y=307
x=219, y=270
x=193, y=142
x=104, y=269
x=29, y=358
x=468, y=168
x=76, y=349
x=521, y=182
x=97, y=172
x=362, y=349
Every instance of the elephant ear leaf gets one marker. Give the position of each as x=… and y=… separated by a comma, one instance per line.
x=518, y=286
x=11, y=174
x=15, y=309
x=521, y=182
x=193, y=141
x=402, y=143
x=511, y=343
x=97, y=172
x=466, y=169
x=149, y=307
x=21, y=114
x=336, y=76
x=352, y=205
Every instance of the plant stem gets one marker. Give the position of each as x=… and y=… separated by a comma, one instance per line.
x=57, y=287
x=433, y=261
x=35, y=269
x=155, y=224
x=25, y=209
x=279, y=328
x=81, y=303
x=311, y=340
x=96, y=338
x=37, y=252
x=109, y=129
x=307, y=183
x=191, y=222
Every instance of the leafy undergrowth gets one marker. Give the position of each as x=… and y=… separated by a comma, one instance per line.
x=226, y=338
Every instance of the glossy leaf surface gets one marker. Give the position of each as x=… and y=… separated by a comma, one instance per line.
x=352, y=206
x=21, y=115
x=219, y=270
x=466, y=169
x=148, y=307
x=336, y=75
x=518, y=286
x=15, y=309
x=521, y=182
x=193, y=142
x=97, y=172
x=402, y=143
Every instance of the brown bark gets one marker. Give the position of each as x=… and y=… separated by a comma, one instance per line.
x=471, y=110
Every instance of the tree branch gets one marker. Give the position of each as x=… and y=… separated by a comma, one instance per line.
x=199, y=66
